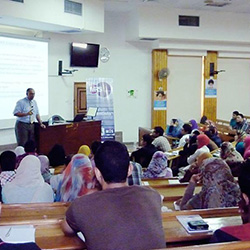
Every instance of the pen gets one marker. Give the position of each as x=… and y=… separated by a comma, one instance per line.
x=8, y=233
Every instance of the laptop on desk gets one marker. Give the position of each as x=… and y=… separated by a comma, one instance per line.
x=78, y=118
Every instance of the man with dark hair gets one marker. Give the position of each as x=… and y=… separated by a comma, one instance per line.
x=185, y=131
x=144, y=154
x=27, y=113
x=233, y=121
x=119, y=216
x=240, y=232
x=241, y=123
x=160, y=142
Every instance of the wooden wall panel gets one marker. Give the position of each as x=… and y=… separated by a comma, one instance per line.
x=210, y=104
x=159, y=61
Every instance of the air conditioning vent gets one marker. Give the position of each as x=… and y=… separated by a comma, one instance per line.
x=148, y=39
x=189, y=21
x=72, y=7
x=214, y=4
x=19, y=1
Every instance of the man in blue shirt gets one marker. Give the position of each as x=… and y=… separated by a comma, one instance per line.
x=27, y=113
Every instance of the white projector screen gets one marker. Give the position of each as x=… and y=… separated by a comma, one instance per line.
x=23, y=64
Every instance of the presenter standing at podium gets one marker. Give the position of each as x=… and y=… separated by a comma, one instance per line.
x=27, y=113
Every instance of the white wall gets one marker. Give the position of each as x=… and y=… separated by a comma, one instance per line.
x=49, y=15
x=160, y=22
x=184, y=88
x=233, y=87
x=129, y=66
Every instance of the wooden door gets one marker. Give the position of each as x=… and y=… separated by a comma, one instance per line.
x=80, y=98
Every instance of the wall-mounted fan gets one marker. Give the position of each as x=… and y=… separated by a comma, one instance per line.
x=163, y=73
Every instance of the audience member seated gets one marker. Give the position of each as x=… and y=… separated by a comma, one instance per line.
x=158, y=167
x=144, y=154
x=29, y=148
x=195, y=167
x=135, y=177
x=45, y=168
x=19, y=150
x=57, y=158
x=213, y=135
x=175, y=128
x=241, y=123
x=94, y=146
x=8, y=164
x=160, y=142
x=185, y=132
x=233, y=120
x=239, y=232
x=132, y=215
x=239, y=139
x=202, y=147
x=76, y=180
x=193, y=124
x=218, y=187
x=247, y=147
x=231, y=157
x=203, y=119
x=189, y=148
x=84, y=149
x=28, y=185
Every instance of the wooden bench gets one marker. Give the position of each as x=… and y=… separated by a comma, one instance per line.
x=171, y=192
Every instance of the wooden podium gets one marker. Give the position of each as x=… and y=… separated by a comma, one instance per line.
x=70, y=135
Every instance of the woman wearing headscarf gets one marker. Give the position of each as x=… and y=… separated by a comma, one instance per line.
x=45, y=168
x=202, y=147
x=175, y=128
x=84, y=149
x=77, y=179
x=194, y=124
x=158, y=166
x=28, y=185
x=19, y=150
x=231, y=157
x=218, y=187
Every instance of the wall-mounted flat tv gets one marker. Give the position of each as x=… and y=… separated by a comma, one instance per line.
x=84, y=55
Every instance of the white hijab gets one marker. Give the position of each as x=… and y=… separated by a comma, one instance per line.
x=19, y=150
x=44, y=163
x=29, y=172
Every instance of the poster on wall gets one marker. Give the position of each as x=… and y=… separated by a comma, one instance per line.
x=211, y=88
x=160, y=100
x=100, y=95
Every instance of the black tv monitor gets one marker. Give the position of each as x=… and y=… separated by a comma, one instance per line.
x=84, y=55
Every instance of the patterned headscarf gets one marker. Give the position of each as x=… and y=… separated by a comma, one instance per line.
x=77, y=180
x=229, y=154
x=218, y=186
x=158, y=166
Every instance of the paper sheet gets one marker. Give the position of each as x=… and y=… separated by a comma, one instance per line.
x=17, y=234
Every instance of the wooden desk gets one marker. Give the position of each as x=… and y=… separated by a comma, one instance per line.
x=236, y=245
x=71, y=136
x=176, y=235
x=46, y=218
